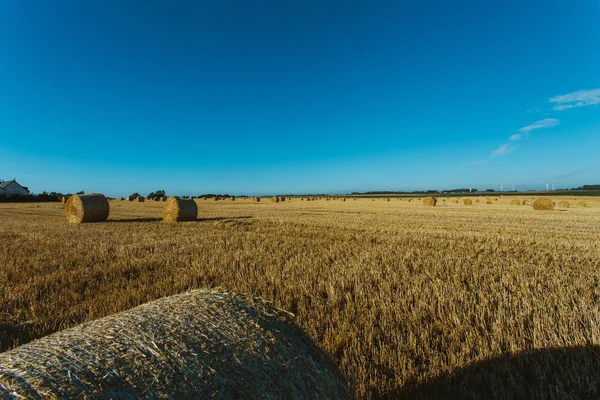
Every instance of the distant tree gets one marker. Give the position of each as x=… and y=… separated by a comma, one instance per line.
x=490, y=190
x=134, y=196
x=80, y=192
x=158, y=193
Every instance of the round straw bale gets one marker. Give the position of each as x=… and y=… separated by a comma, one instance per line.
x=176, y=210
x=455, y=201
x=195, y=345
x=564, y=204
x=87, y=208
x=489, y=202
x=467, y=202
x=429, y=201
x=515, y=203
x=582, y=204
x=543, y=203
x=257, y=199
x=274, y=199
x=140, y=199
x=63, y=200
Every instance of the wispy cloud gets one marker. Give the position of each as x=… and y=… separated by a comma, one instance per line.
x=581, y=98
x=544, y=123
x=534, y=110
x=502, y=150
x=577, y=172
x=516, y=136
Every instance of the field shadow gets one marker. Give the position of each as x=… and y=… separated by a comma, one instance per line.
x=145, y=219
x=156, y=219
x=552, y=373
x=223, y=218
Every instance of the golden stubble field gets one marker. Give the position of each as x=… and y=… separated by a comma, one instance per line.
x=411, y=301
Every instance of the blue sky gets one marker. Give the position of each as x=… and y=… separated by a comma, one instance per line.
x=294, y=97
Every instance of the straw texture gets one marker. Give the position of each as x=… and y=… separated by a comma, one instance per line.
x=543, y=203
x=199, y=344
x=176, y=210
x=429, y=201
x=87, y=208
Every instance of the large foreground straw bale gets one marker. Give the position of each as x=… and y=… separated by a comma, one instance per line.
x=543, y=203
x=176, y=210
x=196, y=345
x=429, y=201
x=87, y=208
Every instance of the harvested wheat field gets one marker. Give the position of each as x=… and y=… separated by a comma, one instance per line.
x=409, y=301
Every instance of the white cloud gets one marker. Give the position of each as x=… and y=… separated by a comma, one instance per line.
x=516, y=136
x=544, y=123
x=580, y=98
x=502, y=150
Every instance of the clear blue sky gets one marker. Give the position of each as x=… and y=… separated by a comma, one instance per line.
x=263, y=97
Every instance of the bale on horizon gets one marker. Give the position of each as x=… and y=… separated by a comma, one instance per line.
x=192, y=345
x=274, y=199
x=543, y=203
x=429, y=201
x=176, y=210
x=87, y=208
x=140, y=199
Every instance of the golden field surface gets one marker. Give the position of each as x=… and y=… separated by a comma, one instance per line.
x=410, y=301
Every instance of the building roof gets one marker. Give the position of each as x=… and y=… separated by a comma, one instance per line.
x=4, y=184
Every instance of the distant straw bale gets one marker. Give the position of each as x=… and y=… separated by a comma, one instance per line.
x=467, y=202
x=274, y=199
x=564, y=204
x=195, y=345
x=543, y=203
x=257, y=199
x=176, y=210
x=87, y=208
x=515, y=203
x=63, y=200
x=582, y=204
x=429, y=201
x=489, y=202
x=455, y=201
x=140, y=199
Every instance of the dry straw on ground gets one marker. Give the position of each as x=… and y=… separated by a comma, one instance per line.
x=429, y=201
x=543, y=203
x=564, y=204
x=467, y=202
x=87, y=208
x=176, y=210
x=515, y=203
x=198, y=344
